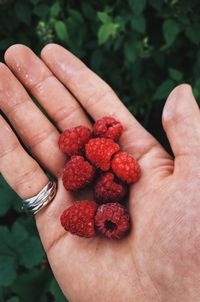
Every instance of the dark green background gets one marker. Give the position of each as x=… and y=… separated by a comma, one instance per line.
x=141, y=48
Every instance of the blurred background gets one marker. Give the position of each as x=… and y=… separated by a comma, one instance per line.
x=142, y=48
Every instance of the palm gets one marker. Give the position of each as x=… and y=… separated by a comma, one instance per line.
x=163, y=241
x=158, y=236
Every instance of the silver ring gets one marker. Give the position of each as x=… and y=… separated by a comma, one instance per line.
x=34, y=204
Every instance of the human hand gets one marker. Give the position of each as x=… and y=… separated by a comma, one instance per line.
x=159, y=260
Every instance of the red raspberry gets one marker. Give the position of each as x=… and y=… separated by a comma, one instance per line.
x=112, y=220
x=109, y=189
x=126, y=167
x=77, y=173
x=107, y=127
x=99, y=152
x=79, y=218
x=72, y=141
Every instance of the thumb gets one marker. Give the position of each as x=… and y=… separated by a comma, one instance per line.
x=181, y=121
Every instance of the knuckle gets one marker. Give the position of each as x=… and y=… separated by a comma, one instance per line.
x=40, y=137
x=39, y=84
x=8, y=149
x=98, y=97
x=64, y=113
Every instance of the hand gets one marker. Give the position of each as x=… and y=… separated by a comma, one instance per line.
x=160, y=259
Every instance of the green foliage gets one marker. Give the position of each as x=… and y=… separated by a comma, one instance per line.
x=142, y=48
x=107, y=29
x=8, y=198
x=137, y=6
x=175, y=74
x=61, y=30
x=163, y=90
x=171, y=29
x=24, y=271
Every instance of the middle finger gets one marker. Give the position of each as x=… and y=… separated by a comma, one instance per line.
x=36, y=131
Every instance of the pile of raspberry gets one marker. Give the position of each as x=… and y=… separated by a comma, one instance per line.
x=94, y=159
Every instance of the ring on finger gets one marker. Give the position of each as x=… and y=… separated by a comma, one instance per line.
x=36, y=203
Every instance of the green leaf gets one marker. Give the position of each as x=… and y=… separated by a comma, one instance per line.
x=88, y=11
x=4, y=235
x=23, y=12
x=18, y=245
x=55, y=9
x=32, y=253
x=28, y=223
x=56, y=291
x=19, y=234
x=163, y=90
x=138, y=23
x=104, y=17
x=175, y=74
x=2, y=294
x=6, y=242
x=32, y=286
x=61, y=30
x=196, y=88
x=28, y=250
x=13, y=299
x=106, y=31
x=192, y=32
x=7, y=197
x=130, y=51
x=41, y=10
x=8, y=270
x=5, y=204
x=170, y=31
x=76, y=16
x=137, y=5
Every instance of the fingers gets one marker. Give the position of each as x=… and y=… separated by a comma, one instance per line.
x=97, y=97
x=30, y=123
x=181, y=121
x=57, y=101
x=22, y=173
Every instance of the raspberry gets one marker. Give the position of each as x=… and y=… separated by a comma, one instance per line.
x=79, y=218
x=77, y=173
x=125, y=167
x=99, y=152
x=107, y=127
x=72, y=141
x=109, y=189
x=112, y=220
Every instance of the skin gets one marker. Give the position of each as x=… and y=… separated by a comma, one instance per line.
x=159, y=260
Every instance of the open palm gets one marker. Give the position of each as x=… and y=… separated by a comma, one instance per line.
x=159, y=260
